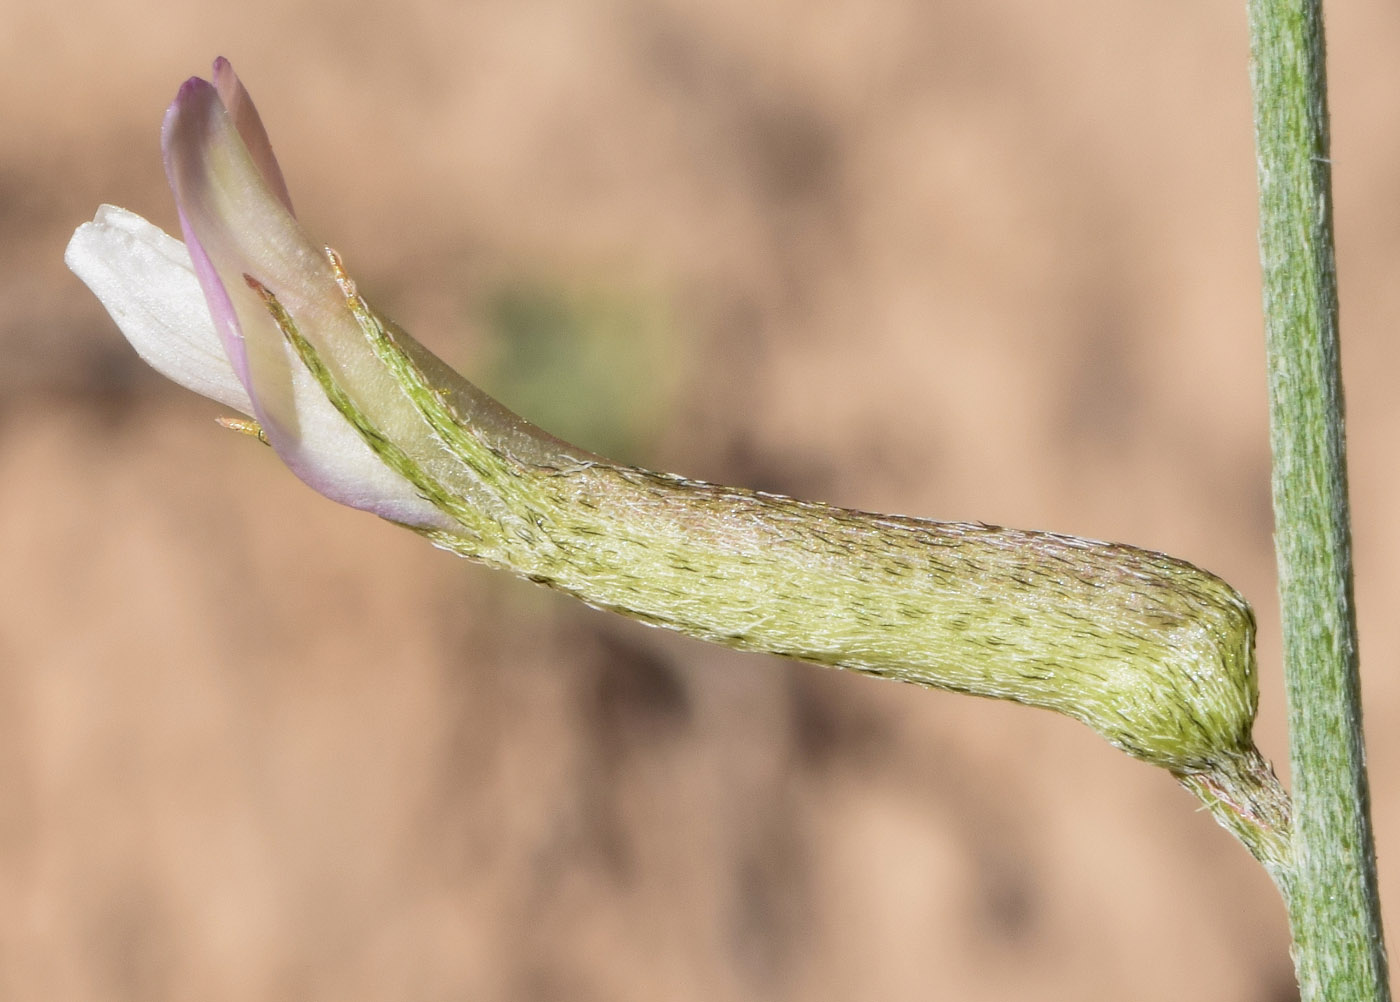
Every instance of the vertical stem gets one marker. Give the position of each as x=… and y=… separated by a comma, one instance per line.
x=1333, y=905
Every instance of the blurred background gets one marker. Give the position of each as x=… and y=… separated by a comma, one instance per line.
x=985, y=260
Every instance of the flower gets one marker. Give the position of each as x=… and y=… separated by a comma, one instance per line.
x=253, y=313
x=1150, y=651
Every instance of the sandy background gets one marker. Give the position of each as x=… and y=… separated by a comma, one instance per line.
x=988, y=260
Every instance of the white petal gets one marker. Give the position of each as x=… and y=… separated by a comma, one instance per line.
x=145, y=279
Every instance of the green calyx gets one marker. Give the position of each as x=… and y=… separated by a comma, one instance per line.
x=1153, y=653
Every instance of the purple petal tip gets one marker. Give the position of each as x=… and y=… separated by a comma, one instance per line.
x=190, y=88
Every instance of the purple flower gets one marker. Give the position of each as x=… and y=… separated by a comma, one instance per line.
x=212, y=314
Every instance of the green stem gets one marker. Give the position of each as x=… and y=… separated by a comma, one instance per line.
x=1330, y=887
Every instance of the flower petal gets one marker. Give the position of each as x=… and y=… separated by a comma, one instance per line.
x=237, y=225
x=248, y=122
x=145, y=279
